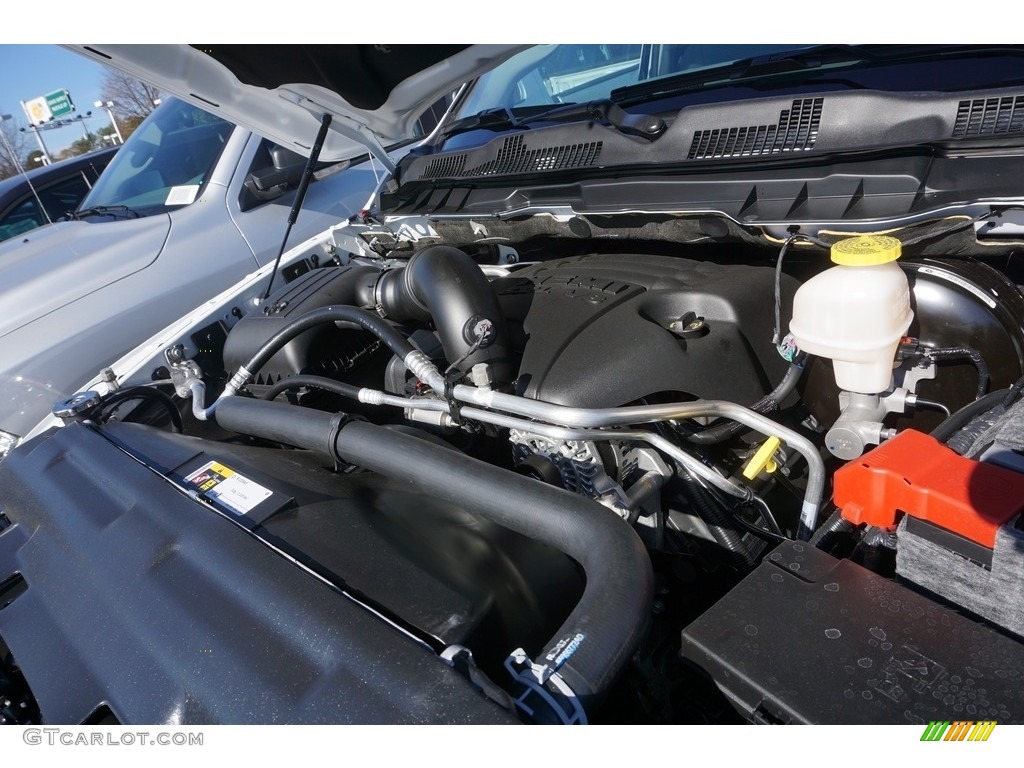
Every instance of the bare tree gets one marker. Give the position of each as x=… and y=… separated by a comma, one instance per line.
x=14, y=141
x=133, y=98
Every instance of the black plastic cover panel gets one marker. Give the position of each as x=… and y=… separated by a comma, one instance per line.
x=141, y=598
x=811, y=639
x=776, y=126
x=323, y=351
x=612, y=316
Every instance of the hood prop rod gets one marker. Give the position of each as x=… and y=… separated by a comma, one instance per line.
x=300, y=195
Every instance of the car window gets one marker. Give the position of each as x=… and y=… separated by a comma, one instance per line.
x=562, y=74
x=432, y=116
x=165, y=163
x=63, y=197
x=23, y=217
x=58, y=199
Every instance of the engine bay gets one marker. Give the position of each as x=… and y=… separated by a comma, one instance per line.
x=568, y=484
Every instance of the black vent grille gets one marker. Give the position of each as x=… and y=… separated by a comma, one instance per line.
x=514, y=157
x=796, y=131
x=988, y=117
x=445, y=167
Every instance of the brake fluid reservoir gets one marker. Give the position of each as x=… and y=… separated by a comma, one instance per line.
x=855, y=313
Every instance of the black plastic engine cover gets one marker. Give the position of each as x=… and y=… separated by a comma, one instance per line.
x=597, y=329
x=811, y=639
x=163, y=608
x=325, y=350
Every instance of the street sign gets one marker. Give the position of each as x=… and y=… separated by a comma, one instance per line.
x=60, y=103
x=37, y=110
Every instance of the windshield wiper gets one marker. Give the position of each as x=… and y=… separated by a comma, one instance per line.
x=605, y=110
x=115, y=211
x=498, y=118
x=801, y=60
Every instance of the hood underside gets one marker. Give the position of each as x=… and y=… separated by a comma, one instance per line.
x=374, y=93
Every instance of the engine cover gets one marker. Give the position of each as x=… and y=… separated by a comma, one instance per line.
x=604, y=330
x=326, y=601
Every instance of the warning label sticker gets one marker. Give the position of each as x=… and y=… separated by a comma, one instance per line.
x=225, y=486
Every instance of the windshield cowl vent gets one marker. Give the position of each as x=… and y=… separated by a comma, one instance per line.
x=796, y=131
x=988, y=117
x=445, y=167
x=514, y=158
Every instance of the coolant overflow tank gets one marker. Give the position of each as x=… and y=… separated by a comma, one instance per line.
x=856, y=312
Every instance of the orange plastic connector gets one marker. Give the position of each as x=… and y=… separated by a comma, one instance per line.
x=915, y=474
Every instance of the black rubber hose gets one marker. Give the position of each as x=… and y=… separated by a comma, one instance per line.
x=835, y=525
x=964, y=441
x=770, y=402
x=966, y=436
x=367, y=320
x=606, y=625
x=444, y=284
x=146, y=393
x=961, y=352
x=1013, y=392
x=316, y=382
x=718, y=523
x=956, y=422
x=281, y=422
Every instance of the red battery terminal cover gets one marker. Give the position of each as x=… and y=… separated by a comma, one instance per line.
x=916, y=474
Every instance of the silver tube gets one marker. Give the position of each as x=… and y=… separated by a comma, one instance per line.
x=608, y=417
x=375, y=397
x=568, y=433
x=424, y=370
x=199, y=409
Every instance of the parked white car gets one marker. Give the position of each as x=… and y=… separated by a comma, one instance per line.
x=188, y=205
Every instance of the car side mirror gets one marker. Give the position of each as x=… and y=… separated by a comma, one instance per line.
x=279, y=172
x=285, y=172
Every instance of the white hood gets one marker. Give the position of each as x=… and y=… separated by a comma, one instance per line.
x=373, y=92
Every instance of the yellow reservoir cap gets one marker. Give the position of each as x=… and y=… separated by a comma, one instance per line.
x=764, y=459
x=866, y=251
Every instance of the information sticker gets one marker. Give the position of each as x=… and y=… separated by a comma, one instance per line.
x=183, y=195
x=226, y=487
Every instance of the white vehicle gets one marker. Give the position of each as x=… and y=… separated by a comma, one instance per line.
x=688, y=394
x=189, y=205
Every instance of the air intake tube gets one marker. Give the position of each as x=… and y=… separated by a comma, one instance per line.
x=604, y=629
x=443, y=284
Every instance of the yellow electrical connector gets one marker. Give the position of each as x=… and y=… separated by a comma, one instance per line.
x=763, y=460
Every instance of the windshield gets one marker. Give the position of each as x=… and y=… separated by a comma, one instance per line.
x=563, y=74
x=164, y=163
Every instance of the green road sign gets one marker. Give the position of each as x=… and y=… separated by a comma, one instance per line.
x=60, y=103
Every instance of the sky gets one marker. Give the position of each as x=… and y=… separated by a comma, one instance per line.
x=28, y=71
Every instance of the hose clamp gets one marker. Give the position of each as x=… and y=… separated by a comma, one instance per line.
x=378, y=303
x=544, y=682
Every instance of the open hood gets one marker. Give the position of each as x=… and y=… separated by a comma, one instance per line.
x=374, y=93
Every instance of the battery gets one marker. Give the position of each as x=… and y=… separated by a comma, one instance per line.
x=807, y=638
x=915, y=474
